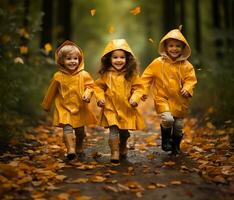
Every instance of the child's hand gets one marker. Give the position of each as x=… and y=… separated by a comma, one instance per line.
x=86, y=99
x=144, y=97
x=133, y=103
x=101, y=103
x=185, y=93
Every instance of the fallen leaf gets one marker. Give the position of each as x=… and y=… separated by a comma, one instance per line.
x=93, y=12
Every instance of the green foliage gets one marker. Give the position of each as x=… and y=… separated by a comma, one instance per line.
x=21, y=74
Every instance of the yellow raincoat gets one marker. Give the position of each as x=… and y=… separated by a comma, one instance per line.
x=117, y=91
x=168, y=77
x=67, y=89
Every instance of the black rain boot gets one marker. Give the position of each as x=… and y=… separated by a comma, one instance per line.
x=123, y=138
x=166, y=138
x=176, y=144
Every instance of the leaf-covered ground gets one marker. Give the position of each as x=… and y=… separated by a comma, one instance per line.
x=35, y=167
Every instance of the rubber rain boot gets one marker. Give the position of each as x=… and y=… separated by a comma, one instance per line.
x=123, y=150
x=70, y=142
x=166, y=138
x=114, y=146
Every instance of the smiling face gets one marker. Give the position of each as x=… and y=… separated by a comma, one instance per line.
x=174, y=48
x=118, y=59
x=71, y=61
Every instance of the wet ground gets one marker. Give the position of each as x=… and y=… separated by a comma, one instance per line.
x=147, y=173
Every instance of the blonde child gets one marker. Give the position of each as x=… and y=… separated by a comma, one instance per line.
x=71, y=89
x=172, y=78
x=118, y=92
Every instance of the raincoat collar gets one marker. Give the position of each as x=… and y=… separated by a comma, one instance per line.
x=174, y=34
x=117, y=44
x=81, y=59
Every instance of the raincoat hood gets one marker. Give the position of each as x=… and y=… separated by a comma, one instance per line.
x=175, y=34
x=81, y=58
x=117, y=44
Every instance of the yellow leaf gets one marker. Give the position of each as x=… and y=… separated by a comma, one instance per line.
x=93, y=12
x=83, y=198
x=18, y=60
x=63, y=196
x=24, y=33
x=48, y=47
x=81, y=180
x=169, y=163
x=151, y=40
x=210, y=125
x=24, y=180
x=23, y=49
x=111, y=29
x=136, y=10
x=60, y=177
x=5, y=39
x=176, y=182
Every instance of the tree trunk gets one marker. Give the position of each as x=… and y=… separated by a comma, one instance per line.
x=47, y=22
x=64, y=20
x=169, y=11
x=197, y=26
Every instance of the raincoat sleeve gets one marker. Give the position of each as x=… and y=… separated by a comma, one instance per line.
x=50, y=95
x=190, y=79
x=137, y=89
x=89, y=85
x=99, y=89
x=147, y=78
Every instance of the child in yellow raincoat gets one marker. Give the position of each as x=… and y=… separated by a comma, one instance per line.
x=172, y=78
x=118, y=92
x=71, y=89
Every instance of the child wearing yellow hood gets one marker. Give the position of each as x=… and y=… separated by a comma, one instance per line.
x=118, y=92
x=71, y=89
x=172, y=78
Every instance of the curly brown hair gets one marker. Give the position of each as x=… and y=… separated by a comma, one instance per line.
x=131, y=66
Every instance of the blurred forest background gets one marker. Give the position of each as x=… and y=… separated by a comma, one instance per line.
x=31, y=30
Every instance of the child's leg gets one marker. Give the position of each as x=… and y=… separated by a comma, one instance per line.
x=166, y=125
x=123, y=137
x=114, y=143
x=177, y=135
x=80, y=135
x=70, y=142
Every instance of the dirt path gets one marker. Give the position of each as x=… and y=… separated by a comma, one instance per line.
x=147, y=173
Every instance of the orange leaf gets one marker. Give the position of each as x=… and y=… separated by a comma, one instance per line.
x=136, y=10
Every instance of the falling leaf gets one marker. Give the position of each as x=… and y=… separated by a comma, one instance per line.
x=93, y=12
x=24, y=33
x=23, y=49
x=48, y=48
x=136, y=10
x=151, y=40
x=111, y=29
x=18, y=60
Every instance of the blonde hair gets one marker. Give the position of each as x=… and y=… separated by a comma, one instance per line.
x=66, y=50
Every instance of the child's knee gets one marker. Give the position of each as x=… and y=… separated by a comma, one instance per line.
x=167, y=120
x=114, y=132
x=178, y=127
x=67, y=129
